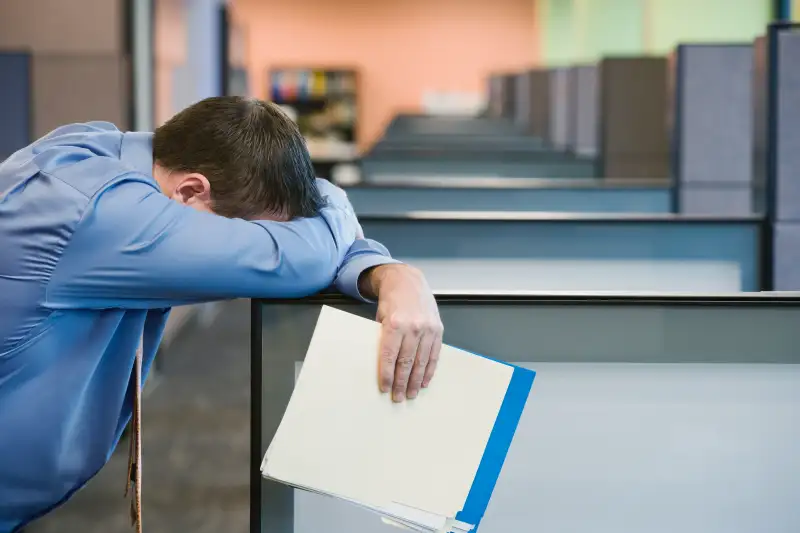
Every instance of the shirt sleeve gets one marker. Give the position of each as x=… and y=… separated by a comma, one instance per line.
x=363, y=255
x=136, y=248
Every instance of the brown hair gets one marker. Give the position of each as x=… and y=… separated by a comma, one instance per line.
x=252, y=154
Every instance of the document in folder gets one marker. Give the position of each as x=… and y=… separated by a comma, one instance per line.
x=428, y=464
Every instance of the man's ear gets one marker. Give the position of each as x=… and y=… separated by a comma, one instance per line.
x=193, y=190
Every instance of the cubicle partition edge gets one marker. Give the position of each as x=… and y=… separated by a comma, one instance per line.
x=576, y=251
x=403, y=194
x=641, y=402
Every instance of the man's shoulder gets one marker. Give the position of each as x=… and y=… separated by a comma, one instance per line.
x=84, y=156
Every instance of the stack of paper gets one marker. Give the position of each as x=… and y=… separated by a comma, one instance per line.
x=429, y=464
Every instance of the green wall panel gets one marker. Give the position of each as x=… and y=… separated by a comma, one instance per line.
x=694, y=21
x=580, y=31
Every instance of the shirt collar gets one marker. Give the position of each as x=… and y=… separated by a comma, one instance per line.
x=137, y=151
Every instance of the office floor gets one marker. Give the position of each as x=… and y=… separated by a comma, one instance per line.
x=195, y=443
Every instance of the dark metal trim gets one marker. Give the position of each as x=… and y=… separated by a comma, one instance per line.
x=224, y=51
x=771, y=151
x=532, y=298
x=256, y=388
x=128, y=48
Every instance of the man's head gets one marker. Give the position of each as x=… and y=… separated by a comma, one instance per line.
x=236, y=157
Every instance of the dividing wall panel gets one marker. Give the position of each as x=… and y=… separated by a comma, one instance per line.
x=782, y=153
x=63, y=26
x=559, y=108
x=70, y=89
x=15, y=113
x=583, y=111
x=713, y=129
x=540, y=103
x=633, y=118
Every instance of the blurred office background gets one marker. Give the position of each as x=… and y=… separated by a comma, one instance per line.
x=500, y=145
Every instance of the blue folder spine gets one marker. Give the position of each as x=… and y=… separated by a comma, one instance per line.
x=497, y=447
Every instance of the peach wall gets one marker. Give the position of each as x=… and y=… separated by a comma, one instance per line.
x=402, y=48
x=170, y=52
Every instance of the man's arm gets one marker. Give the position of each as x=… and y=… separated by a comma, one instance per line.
x=411, y=330
x=136, y=248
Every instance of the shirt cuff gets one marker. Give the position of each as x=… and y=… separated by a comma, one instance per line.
x=347, y=280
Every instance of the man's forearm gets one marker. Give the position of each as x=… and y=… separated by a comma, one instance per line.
x=371, y=280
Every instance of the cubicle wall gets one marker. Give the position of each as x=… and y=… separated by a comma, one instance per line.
x=633, y=120
x=713, y=129
x=502, y=95
x=414, y=193
x=539, y=87
x=583, y=110
x=559, y=106
x=783, y=152
x=547, y=251
x=15, y=106
x=759, y=149
x=522, y=100
x=73, y=88
x=43, y=91
x=653, y=414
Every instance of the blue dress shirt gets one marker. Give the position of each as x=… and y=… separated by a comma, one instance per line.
x=92, y=257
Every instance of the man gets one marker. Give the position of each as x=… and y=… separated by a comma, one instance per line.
x=102, y=232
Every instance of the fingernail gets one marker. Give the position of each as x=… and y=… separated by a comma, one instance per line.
x=399, y=397
x=412, y=395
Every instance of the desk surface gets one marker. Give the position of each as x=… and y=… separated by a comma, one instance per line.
x=653, y=398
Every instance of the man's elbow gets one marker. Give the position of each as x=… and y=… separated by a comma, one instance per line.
x=311, y=277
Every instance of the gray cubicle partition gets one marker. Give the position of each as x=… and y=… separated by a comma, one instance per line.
x=501, y=95
x=782, y=146
x=713, y=129
x=573, y=251
x=79, y=88
x=649, y=414
x=558, y=135
x=40, y=92
x=410, y=193
x=569, y=251
x=539, y=87
x=522, y=100
x=633, y=118
x=467, y=164
x=583, y=111
x=759, y=149
x=405, y=125
x=467, y=146
x=15, y=107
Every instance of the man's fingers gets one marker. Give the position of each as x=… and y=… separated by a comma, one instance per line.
x=391, y=339
x=430, y=369
x=405, y=361
x=420, y=363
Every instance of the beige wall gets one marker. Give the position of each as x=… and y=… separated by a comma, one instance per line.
x=402, y=48
x=79, y=71
x=62, y=26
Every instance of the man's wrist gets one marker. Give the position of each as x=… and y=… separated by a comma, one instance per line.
x=372, y=279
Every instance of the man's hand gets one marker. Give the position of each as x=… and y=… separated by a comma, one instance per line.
x=411, y=336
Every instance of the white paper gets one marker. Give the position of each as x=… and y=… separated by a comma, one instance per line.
x=341, y=436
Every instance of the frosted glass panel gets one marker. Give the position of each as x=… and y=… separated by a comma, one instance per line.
x=619, y=448
x=585, y=275
x=647, y=415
